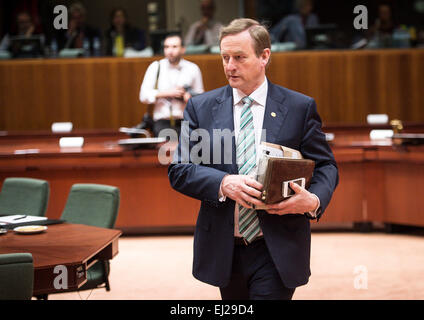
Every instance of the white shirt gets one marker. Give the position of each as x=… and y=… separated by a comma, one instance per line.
x=185, y=73
x=259, y=97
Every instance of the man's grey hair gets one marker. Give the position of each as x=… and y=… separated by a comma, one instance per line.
x=258, y=32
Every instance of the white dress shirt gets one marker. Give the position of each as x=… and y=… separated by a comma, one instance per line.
x=259, y=97
x=185, y=73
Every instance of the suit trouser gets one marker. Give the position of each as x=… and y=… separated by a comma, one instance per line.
x=254, y=275
x=160, y=125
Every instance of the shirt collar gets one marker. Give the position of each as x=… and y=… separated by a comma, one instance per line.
x=179, y=66
x=259, y=95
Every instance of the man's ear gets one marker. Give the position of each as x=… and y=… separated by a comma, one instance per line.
x=266, y=55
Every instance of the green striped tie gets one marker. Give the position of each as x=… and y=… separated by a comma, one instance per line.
x=246, y=160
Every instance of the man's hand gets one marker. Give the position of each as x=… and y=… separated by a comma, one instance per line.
x=303, y=201
x=187, y=97
x=242, y=189
x=177, y=93
x=30, y=31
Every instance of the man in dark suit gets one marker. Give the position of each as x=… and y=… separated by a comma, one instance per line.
x=247, y=253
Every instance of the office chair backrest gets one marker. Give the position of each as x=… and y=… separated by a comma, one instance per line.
x=24, y=196
x=93, y=205
x=16, y=276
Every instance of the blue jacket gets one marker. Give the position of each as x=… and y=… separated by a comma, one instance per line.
x=296, y=125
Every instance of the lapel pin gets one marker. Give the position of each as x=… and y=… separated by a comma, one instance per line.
x=273, y=114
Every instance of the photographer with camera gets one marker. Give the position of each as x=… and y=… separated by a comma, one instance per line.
x=167, y=86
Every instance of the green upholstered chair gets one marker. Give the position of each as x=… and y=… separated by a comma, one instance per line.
x=93, y=205
x=24, y=196
x=16, y=276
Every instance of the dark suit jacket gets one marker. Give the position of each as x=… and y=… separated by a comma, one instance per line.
x=297, y=125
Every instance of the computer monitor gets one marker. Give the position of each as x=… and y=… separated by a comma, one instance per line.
x=321, y=36
x=26, y=47
x=157, y=39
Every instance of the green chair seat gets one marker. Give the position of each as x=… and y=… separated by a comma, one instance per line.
x=96, y=275
x=16, y=276
x=94, y=205
x=24, y=196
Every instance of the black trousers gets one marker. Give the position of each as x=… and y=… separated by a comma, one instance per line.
x=160, y=125
x=254, y=276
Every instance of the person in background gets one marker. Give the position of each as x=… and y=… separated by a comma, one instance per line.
x=206, y=30
x=384, y=24
x=24, y=27
x=384, y=27
x=80, y=35
x=292, y=27
x=169, y=84
x=122, y=35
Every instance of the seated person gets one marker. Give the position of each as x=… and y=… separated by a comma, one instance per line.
x=24, y=27
x=383, y=28
x=205, y=31
x=169, y=83
x=122, y=35
x=292, y=27
x=79, y=31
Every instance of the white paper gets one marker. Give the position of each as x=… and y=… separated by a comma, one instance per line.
x=381, y=134
x=378, y=119
x=271, y=151
x=15, y=219
x=62, y=127
x=74, y=142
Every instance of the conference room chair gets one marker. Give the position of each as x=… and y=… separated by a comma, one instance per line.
x=24, y=196
x=16, y=276
x=94, y=205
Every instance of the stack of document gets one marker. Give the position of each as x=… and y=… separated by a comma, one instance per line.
x=278, y=167
x=20, y=218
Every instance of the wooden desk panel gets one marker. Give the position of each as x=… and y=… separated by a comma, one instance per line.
x=103, y=92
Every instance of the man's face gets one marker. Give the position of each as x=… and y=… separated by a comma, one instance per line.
x=385, y=13
x=306, y=8
x=207, y=8
x=243, y=69
x=24, y=22
x=173, y=49
x=119, y=19
x=78, y=18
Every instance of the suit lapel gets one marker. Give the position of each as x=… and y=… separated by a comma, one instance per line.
x=222, y=112
x=275, y=114
x=223, y=116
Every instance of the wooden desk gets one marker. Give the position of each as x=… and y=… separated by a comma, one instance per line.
x=77, y=247
x=368, y=172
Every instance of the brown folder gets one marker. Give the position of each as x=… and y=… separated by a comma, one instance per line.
x=278, y=172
